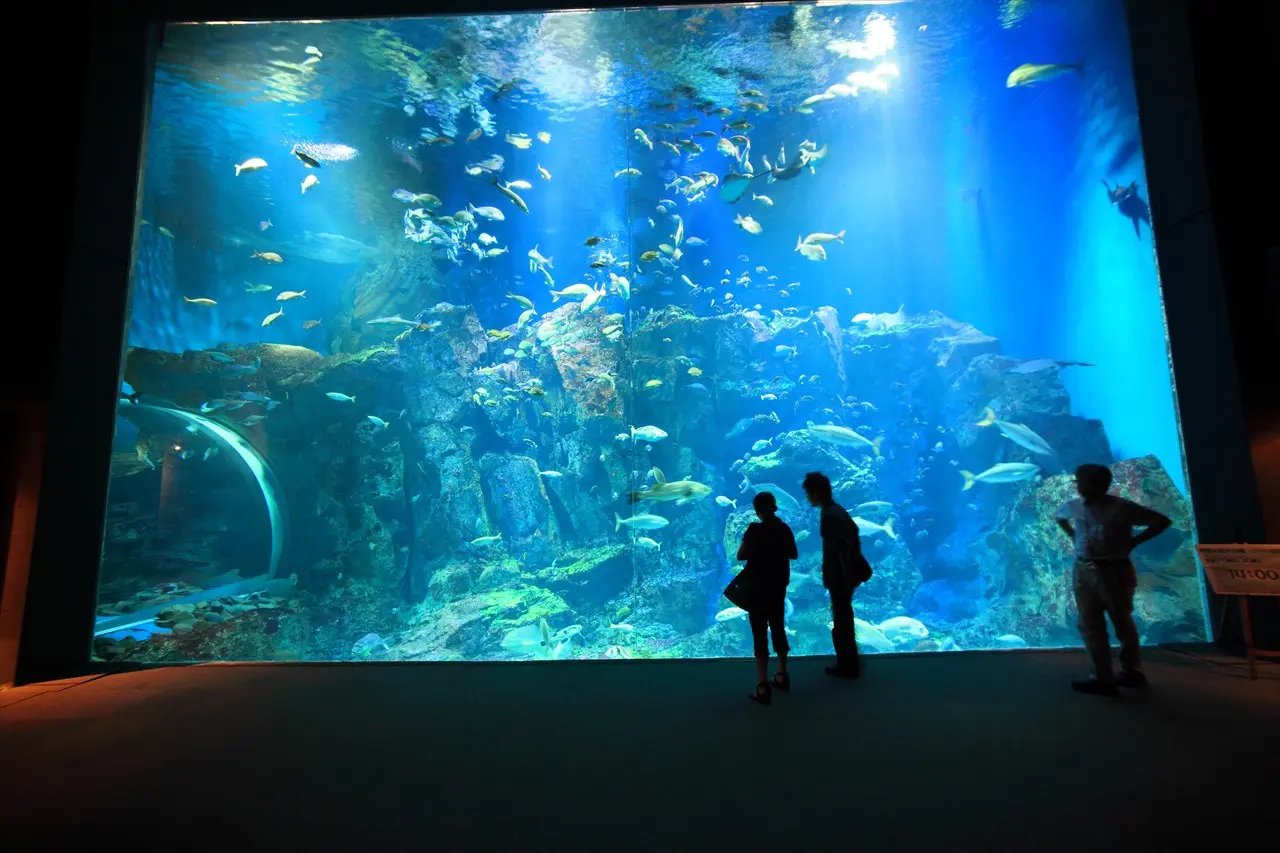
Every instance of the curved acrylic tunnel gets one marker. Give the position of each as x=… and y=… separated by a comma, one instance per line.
x=194, y=461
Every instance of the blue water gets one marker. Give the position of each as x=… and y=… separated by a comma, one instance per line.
x=977, y=207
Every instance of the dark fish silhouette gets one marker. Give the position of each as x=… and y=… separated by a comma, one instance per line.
x=1130, y=204
x=733, y=187
x=307, y=160
x=790, y=170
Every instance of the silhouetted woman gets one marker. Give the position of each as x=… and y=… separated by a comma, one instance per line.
x=768, y=546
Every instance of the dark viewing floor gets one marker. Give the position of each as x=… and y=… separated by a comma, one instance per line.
x=933, y=753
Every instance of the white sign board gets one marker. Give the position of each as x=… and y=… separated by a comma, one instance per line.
x=1242, y=569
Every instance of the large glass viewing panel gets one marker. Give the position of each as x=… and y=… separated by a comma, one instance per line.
x=472, y=338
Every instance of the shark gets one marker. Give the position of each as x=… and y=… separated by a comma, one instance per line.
x=322, y=247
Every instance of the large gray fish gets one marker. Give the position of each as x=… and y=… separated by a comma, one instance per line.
x=642, y=521
x=786, y=503
x=1036, y=365
x=1020, y=434
x=834, y=434
x=680, y=491
x=1005, y=472
x=510, y=194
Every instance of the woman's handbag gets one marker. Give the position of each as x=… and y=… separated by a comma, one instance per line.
x=743, y=591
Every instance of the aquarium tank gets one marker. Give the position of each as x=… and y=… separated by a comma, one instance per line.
x=471, y=338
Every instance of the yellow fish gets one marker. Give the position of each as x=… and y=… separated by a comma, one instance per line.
x=271, y=318
x=253, y=164
x=680, y=491
x=1029, y=74
x=269, y=257
x=200, y=301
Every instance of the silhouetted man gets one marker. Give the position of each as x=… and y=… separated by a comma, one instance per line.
x=843, y=569
x=1101, y=526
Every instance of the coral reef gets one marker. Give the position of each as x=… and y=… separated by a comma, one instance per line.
x=1028, y=562
x=446, y=485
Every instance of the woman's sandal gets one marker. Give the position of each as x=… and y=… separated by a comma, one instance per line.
x=782, y=681
x=763, y=694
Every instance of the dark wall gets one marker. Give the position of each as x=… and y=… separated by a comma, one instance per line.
x=1238, y=107
x=48, y=115
x=29, y=330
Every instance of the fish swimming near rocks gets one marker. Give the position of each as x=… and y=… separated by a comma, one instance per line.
x=531, y=639
x=833, y=434
x=649, y=433
x=680, y=491
x=882, y=321
x=642, y=521
x=1005, y=472
x=747, y=423
x=786, y=503
x=1020, y=434
x=871, y=636
x=901, y=630
x=243, y=369
x=870, y=528
x=1036, y=365
x=368, y=645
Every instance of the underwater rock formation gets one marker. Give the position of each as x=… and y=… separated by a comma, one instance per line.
x=579, y=512
x=584, y=367
x=663, y=348
x=402, y=280
x=682, y=594
x=472, y=627
x=796, y=453
x=1029, y=562
x=521, y=505
x=445, y=496
x=1040, y=401
x=589, y=577
x=191, y=378
x=894, y=579
x=449, y=485
x=735, y=525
